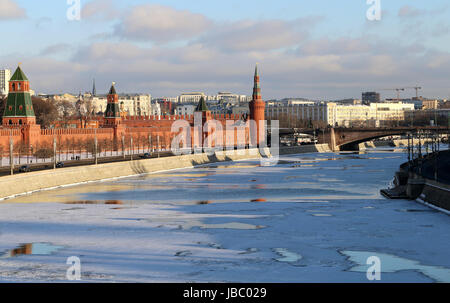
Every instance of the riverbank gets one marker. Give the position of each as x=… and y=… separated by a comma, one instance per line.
x=43, y=180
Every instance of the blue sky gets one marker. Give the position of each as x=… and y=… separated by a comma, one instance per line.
x=318, y=49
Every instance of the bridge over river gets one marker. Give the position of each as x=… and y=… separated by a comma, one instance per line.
x=349, y=138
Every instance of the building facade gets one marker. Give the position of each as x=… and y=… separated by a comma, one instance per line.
x=129, y=105
x=5, y=75
x=340, y=115
x=185, y=109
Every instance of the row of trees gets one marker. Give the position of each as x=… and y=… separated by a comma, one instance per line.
x=72, y=149
x=48, y=111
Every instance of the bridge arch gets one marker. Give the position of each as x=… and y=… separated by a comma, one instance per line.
x=354, y=145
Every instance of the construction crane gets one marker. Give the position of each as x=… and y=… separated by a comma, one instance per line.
x=417, y=90
x=398, y=90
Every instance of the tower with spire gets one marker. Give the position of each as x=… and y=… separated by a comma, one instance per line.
x=257, y=107
x=19, y=107
x=112, y=113
x=94, y=91
x=202, y=114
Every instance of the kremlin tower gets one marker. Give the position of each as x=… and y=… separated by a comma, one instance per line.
x=257, y=107
x=19, y=112
x=202, y=115
x=112, y=113
x=19, y=108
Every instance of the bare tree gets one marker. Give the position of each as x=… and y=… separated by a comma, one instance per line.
x=45, y=110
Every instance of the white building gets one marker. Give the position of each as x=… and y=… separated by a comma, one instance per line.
x=193, y=97
x=334, y=114
x=5, y=75
x=130, y=105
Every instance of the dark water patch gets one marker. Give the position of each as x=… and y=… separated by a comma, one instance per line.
x=250, y=250
x=210, y=192
x=106, y=202
x=74, y=208
x=183, y=253
x=417, y=210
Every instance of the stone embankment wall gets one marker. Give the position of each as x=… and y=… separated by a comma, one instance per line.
x=391, y=143
x=317, y=148
x=436, y=195
x=47, y=179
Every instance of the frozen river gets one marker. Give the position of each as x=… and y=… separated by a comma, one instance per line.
x=311, y=218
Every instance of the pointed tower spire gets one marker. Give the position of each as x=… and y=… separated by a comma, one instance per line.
x=257, y=108
x=94, y=91
x=256, y=85
x=112, y=113
x=201, y=106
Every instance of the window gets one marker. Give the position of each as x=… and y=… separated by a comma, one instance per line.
x=20, y=121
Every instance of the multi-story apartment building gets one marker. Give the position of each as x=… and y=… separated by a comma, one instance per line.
x=5, y=75
x=430, y=104
x=333, y=114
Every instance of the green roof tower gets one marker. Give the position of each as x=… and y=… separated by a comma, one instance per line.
x=19, y=107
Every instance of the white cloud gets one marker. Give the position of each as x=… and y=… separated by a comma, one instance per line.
x=99, y=10
x=408, y=11
x=160, y=23
x=55, y=49
x=10, y=10
x=251, y=35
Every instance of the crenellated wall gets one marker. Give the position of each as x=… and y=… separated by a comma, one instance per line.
x=138, y=128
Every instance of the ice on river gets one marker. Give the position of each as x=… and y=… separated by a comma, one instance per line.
x=311, y=218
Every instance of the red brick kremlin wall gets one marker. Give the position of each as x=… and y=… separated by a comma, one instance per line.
x=29, y=134
x=139, y=128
